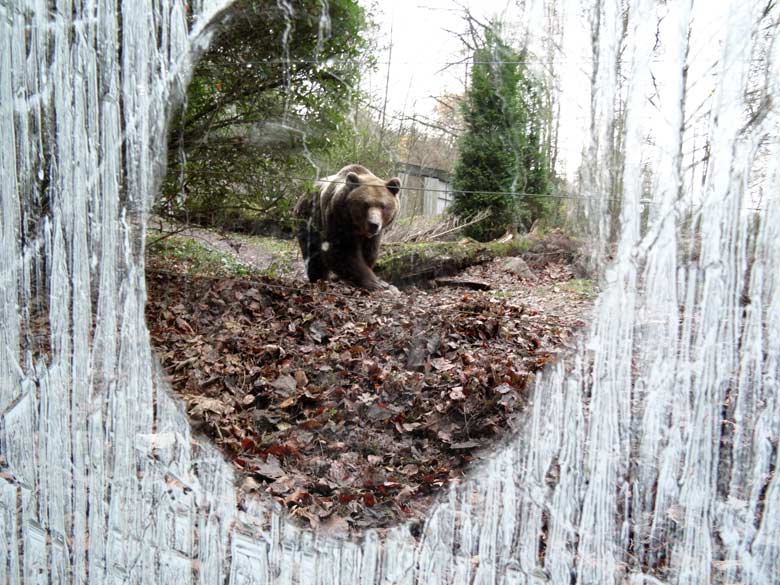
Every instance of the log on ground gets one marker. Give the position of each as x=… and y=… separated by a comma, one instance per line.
x=414, y=263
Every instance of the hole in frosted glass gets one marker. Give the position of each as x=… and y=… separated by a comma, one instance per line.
x=347, y=408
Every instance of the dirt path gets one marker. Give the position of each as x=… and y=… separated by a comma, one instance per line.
x=264, y=254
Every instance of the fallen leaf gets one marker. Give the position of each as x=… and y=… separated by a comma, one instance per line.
x=269, y=468
x=301, y=379
x=288, y=402
x=200, y=405
x=281, y=486
x=285, y=383
x=442, y=364
x=183, y=325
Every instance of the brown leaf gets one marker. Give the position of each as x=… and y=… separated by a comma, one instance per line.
x=281, y=486
x=200, y=405
x=442, y=364
x=288, y=402
x=313, y=519
x=269, y=468
x=301, y=379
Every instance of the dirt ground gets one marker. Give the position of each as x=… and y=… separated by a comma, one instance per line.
x=352, y=409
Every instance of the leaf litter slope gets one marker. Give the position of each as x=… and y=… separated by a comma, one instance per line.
x=352, y=409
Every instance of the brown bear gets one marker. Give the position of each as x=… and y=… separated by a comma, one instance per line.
x=340, y=225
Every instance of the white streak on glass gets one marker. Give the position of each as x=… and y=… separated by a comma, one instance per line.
x=648, y=455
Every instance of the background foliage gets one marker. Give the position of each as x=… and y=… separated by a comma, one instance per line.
x=269, y=105
x=273, y=105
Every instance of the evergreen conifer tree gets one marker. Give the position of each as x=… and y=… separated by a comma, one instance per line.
x=501, y=157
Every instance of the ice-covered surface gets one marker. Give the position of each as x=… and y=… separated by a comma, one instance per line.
x=649, y=457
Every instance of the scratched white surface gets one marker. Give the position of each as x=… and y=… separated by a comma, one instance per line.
x=649, y=457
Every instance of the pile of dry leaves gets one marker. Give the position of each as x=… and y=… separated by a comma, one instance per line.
x=351, y=409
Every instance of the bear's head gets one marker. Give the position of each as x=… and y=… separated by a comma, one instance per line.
x=372, y=203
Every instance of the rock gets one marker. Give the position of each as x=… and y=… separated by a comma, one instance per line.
x=581, y=269
x=518, y=266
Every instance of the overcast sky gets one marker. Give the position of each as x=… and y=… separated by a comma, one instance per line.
x=424, y=42
x=422, y=46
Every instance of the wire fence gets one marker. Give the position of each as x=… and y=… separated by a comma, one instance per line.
x=435, y=190
x=451, y=191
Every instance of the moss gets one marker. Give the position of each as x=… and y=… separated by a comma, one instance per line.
x=408, y=263
x=196, y=257
x=274, y=245
x=582, y=286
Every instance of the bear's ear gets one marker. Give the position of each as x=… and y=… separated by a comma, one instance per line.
x=352, y=181
x=394, y=185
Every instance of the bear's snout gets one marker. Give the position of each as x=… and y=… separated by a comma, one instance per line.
x=374, y=221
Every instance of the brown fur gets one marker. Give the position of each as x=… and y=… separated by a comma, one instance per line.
x=340, y=225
